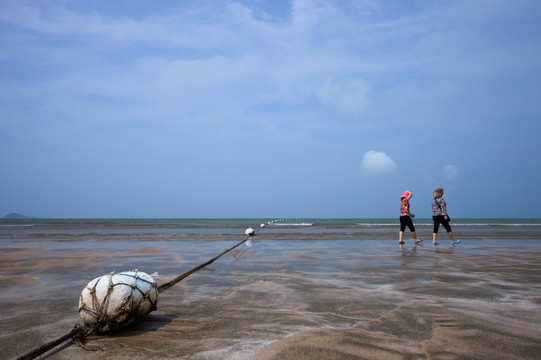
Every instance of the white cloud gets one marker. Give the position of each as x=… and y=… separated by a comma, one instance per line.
x=346, y=97
x=450, y=171
x=377, y=162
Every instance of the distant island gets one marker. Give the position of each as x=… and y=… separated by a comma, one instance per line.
x=16, y=216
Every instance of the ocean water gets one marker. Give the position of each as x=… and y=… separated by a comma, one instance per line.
x=299, y=289
x=34, y=230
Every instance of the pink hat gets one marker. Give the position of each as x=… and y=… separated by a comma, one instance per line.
x=405, y=194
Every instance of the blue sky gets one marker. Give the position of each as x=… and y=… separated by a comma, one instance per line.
x=269, y=108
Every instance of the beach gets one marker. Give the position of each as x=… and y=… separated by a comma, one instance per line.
x=296, y=290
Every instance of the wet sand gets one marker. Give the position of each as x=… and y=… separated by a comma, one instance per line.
x=286, y=300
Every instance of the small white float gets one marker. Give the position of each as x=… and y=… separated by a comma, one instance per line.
x=250, y=232
x=115, y=300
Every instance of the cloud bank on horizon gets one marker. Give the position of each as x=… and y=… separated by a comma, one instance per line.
x=186, y=109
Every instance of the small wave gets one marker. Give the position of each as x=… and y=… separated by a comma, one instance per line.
x=458, y=222
x=292, y=224
x=492, y=224
x=17, y=225
x=395, y=224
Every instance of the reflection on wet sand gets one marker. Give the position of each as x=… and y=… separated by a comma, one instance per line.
x=290, y=300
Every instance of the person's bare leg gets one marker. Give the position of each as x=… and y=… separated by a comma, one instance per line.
x=414, y=235
x=434, y=238
x=452, y=237
x=400, y=237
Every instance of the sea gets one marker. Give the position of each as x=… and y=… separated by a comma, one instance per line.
x=223, y=229
x=300, y=288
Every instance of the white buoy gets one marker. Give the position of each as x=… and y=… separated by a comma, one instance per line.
x=112, y=301
x=262, y=226
x=249, y=232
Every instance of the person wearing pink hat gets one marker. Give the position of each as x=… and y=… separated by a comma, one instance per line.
x=405, y=218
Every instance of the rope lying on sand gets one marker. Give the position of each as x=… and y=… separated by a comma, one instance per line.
x=77, y=331
x=172, y=282
x=80, y=332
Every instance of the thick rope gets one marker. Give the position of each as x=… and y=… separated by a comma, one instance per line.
x=79, y=332
x=172, y=282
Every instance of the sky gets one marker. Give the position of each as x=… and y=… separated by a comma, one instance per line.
x=263, y=108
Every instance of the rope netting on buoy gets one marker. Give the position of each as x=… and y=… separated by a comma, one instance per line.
x=115, y=300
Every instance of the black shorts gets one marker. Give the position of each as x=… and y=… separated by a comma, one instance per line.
x=406, y=221
x=440, y=219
